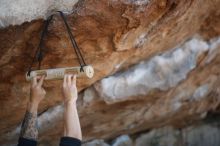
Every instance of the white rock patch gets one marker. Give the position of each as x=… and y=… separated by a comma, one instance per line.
x=14, y=12
x=214, y=49
x=123, y=140
x=160, y=72
x=137, y=2
x=201, y=92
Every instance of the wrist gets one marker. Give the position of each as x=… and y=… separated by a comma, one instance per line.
x=33, y=107
x=70, y=102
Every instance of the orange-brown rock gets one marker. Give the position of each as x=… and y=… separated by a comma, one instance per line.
x=114, y=36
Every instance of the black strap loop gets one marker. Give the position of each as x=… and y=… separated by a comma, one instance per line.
x=39, y=54
x=74, y=44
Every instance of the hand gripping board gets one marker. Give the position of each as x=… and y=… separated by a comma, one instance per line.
x=58, y=73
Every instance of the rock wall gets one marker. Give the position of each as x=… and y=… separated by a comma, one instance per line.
x=199, y=135
x=156, y=64
x=17, y=12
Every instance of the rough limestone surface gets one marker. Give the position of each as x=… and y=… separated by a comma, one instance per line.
x=156, y=64
x=123, y=140
x=97, y=142
x=19, y=11
x=162, y=72
x=202, y=134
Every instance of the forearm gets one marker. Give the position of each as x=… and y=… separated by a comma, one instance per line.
x=29, y=128
x=71, y=121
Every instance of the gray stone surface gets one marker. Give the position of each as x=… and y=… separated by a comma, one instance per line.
x=123, y=140
x=160, y=72
x=19, y=11
x=97, y=142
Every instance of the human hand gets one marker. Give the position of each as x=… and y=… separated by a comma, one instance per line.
x=37, y=91
x=69, y=88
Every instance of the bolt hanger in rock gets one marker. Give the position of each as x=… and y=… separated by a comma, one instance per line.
x=83, y=70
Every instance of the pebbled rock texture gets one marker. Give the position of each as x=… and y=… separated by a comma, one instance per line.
x=201, y=134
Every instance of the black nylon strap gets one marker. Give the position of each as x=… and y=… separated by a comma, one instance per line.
x=39, y=54
x=74, y=44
